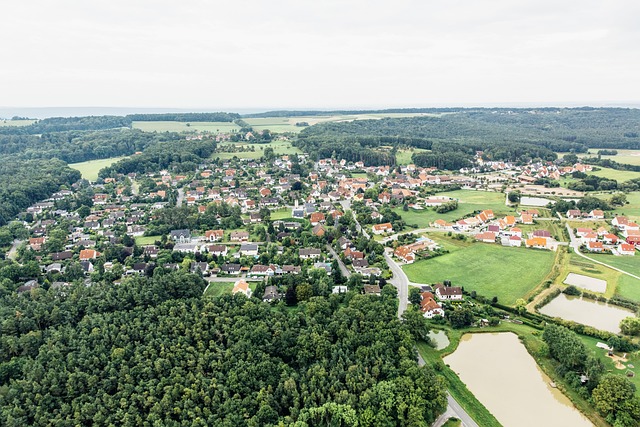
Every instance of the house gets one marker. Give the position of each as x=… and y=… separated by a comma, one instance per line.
x=230, y=269
x=214, y=235
x=318, y=230
x=486, y=237
x=526, y=218
x=218, y=250
x=239, y=236
x=61, y=256
x=405, y=254
x=453, y=293
x=35, y=243
x=626, y=249
x=249, y=249
x=242, y=287
x=271, y=294
x=181, y=236
x=339, y=290
x=203, y=267
x=290, y=269
x=595, y=246
x=87, y=254
x=515, y=241
x=596, y=214
x=317, y=218
x=151, y=251
x=309, y=253
x=536, y=242
x=574, y=213
x=372, y=290
x=634, y=240
x=429, y=306
x=382, y=228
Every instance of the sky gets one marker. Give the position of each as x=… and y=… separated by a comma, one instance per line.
x=279, y=54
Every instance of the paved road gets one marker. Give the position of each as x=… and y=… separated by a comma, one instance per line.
x=575, y=244
x=400, y=281
x=180, y=197
x=343, y=268
x=13, y=252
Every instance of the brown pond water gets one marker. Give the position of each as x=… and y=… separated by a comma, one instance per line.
x=588, y=312
x=501, y=374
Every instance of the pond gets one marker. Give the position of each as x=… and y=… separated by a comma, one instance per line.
x=498, y=370
x=534, y=201
x=439, y=338
x=588, y=312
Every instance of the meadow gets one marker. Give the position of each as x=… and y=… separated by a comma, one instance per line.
x=618, y=175
x=216, y=289
x=168, y=126
x=629, y=157
x=489, y=269
x=90, y=169
x=631, y=209
x=469, y=201
x=146, y=240
x=16, y=122
x=403, y=157
x=280, y=148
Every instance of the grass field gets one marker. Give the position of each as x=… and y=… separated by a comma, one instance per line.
x=215, y=289
x=279, y=147
x=489, y=269
x=630, y=264
x=90, y=169
x=619, y=176
x=213, y=127
x=16, y=122
x=403, y=157
x=469, y=201
x=629, y=157
x=631, y=209
x=280, y=214
x=146, y=240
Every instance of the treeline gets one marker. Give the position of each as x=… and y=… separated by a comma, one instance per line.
x=608, y=163
x=502, y=135
x=121, y=355
x=23, y=183
x=295, y=113
x=184, y=117
x=177, y=155
x=62, y=124
x=79, y=146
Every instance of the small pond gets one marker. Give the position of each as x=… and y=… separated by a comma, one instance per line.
x=439, y=338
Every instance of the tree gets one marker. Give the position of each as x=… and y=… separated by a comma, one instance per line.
x=460, y=317
x=290, y=297
x=416, y=322
x=564, y=346
x=304, y=292
x=514, y=196
x=613, y=395
x=414, y=295
x=618, y=199
x=630, y=326
x=521, y=305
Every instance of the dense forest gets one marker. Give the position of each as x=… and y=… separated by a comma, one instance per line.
x=184, y=117
x=154, y=352
x=454, y=137
x=27, y=182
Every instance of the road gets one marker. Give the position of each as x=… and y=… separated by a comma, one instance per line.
x=575, y=244
x=13, y=252
x=343, y=268
x=180, y=197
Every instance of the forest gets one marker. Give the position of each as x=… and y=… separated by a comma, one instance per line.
x=25, y=183
x=455, y=137
x=152, y=351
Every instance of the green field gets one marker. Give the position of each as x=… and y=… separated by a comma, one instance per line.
x=16, y=122
x=215, y=289
x=212, y=127
x=619, y=176
x=403, y=157
x=489, y=269
x=90, y=169
x=629, y=157
x=469, y=201
x=630, y=264
x=279, y=147
x=146, y=240
x=631, y=209
x=280, y=214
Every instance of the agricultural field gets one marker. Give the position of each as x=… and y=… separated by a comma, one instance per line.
x=629, y=157
x=469, y=201
x=631, y=209
x=90, y=169
x=630, y=264
x=489, y=269
x=212, y=127
x=280, y=148
x=618, y=175
x=4, y=122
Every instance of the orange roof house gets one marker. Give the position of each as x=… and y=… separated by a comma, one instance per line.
x=87, y=254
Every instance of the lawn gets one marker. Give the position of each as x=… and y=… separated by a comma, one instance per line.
x=146, y=240
x=631, y=209
x=619, y=176
x=489, y=269
x=629, y=157
x=469, y=201
x=216, y=289
x=90, y=169
x=630, y=264
x=280, y=214
x=169, y=126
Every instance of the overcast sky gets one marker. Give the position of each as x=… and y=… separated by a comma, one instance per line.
x=318, y=54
